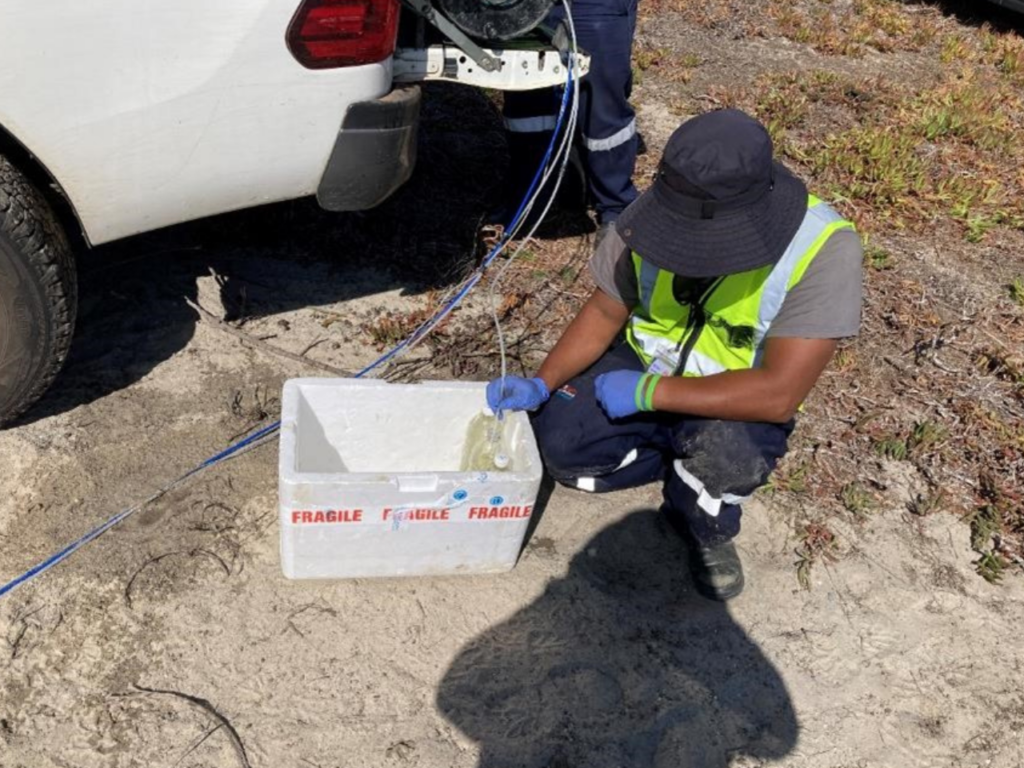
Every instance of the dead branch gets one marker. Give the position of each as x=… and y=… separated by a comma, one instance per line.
x=16, y=644
x=153, y=560
x=141, y=568
x=206, y=706
x=310, y=346
x=199, y=743
x=257, y=344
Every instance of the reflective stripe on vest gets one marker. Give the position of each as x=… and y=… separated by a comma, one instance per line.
x=737, y=313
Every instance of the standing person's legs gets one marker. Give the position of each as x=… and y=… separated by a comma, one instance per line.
x=584, y=449
x=719, y=464
x=605, y=29
x=530, y=118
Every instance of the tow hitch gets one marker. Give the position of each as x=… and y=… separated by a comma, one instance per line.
x=498, y=44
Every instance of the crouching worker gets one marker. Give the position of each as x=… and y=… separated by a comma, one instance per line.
x=732, y=286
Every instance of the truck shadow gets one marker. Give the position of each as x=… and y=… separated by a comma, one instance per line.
x=1001, y=15
x=620, y=663
x=282, y=257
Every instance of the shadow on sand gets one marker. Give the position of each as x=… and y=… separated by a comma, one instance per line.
x=620, y=664
x=133, y=311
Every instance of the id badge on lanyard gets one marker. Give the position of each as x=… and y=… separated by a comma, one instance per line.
x=664, y=362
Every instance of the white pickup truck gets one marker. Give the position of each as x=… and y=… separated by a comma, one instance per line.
x=122, y=116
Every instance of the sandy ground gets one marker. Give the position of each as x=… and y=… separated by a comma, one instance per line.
x=592, y=652
x=175, y=641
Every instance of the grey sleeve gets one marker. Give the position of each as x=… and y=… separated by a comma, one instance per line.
x=612, y=270
x=825, y=304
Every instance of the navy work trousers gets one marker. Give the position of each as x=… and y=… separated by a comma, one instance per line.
x=605, y=30
x=708, y=466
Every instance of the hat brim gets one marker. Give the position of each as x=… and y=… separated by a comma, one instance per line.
x=741, y=240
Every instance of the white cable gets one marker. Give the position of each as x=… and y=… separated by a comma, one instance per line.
x=558, y=161
x=563, y=153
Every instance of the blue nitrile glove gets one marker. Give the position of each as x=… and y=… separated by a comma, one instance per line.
x=519, y=394
x=623, y=393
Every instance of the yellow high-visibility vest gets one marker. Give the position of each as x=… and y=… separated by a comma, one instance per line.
x=726, y=329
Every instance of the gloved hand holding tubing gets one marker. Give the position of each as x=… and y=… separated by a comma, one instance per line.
x=514, y=393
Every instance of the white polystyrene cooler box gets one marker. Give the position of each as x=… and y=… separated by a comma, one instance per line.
x=370, y=482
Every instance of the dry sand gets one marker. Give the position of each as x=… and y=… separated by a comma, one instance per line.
x=145, y=647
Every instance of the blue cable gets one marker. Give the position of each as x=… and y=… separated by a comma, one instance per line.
x=566, y=94
x=498, y=247
x=233, y=449
x=69, y=550
x=270, y=429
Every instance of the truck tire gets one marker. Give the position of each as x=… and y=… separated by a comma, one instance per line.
x=38, y=293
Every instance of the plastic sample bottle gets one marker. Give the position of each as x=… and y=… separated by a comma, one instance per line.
x=483, y=450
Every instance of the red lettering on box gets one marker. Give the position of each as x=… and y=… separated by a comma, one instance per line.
x=499, y=513
x=420, y=514
x=306, y=517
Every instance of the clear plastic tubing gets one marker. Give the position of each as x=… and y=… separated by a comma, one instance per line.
x=501, y=459
x=483, y=450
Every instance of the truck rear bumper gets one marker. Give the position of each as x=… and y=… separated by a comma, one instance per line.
x=1013, y=5
x=374, y=154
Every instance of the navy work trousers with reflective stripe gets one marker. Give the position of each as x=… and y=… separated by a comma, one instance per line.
x=605, y=30
x=706, y=465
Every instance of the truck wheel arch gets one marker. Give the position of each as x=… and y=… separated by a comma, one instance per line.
x=35, y=169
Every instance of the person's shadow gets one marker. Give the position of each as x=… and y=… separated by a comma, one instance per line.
x=620, y=665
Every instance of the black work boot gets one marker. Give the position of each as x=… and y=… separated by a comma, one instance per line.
x=717, y=571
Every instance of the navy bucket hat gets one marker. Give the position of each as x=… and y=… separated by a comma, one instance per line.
x=720, y=204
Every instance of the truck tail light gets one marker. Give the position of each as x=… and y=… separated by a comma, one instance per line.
x=342, y=33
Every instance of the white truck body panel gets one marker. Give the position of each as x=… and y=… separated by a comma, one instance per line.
x=149, y=113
